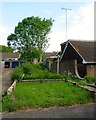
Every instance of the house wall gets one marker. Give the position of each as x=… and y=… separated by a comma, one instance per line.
x=64, y=66
x=67, y=66
x=91, y=70
x=12, y=64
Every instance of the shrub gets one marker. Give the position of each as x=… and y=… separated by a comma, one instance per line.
x=16, y=74
x=43, y=67
x=44, y=75
x=90, y=79
x=58, y=76
x=49, y=75
x=27, y=68
x=8, y=104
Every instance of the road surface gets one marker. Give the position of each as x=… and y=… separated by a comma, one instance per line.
x=80, y=111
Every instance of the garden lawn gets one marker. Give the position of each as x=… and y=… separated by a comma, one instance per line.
x=45, y=94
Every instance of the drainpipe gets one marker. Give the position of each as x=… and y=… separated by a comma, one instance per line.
x=76, y=70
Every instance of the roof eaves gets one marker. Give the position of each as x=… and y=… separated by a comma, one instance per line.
x=64, y=42
x=64, y=50
x=84, y=62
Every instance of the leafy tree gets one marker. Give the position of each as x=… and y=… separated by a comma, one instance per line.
x=4, y=48
x=30, y=37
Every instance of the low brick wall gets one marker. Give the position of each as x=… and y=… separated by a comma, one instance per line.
x=91, y=70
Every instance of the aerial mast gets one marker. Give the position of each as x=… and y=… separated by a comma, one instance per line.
x=66, y=10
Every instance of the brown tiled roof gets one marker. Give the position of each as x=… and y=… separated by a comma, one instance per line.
x=9, y=55
x=50, y=54
x=87, y=49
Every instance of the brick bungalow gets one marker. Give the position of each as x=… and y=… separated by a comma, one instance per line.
x=10, y=59
x=83, y=55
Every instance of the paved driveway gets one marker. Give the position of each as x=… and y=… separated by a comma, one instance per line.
x=81, y=111
x=5, y=80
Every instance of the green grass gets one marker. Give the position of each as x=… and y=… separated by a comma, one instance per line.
x=46, y=94
x=82, y=82
x=41, y=72
x=38, y=71
x=90, y=79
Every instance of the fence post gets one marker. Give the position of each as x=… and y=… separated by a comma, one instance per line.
x=57, y=64
x=49, y=65
x=10, y=64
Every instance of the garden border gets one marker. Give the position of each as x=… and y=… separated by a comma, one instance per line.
x=11, y=88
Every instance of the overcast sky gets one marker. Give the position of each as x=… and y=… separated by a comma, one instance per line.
x=80, y=19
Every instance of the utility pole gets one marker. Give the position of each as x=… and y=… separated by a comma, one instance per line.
x=66, y=9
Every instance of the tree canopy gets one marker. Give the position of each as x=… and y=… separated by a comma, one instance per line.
x=30, y=37
x=4, y=48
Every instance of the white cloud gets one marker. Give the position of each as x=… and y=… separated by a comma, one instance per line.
x=0, y=13
x=4, y=32
x=81, y=26
x=57, y=37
